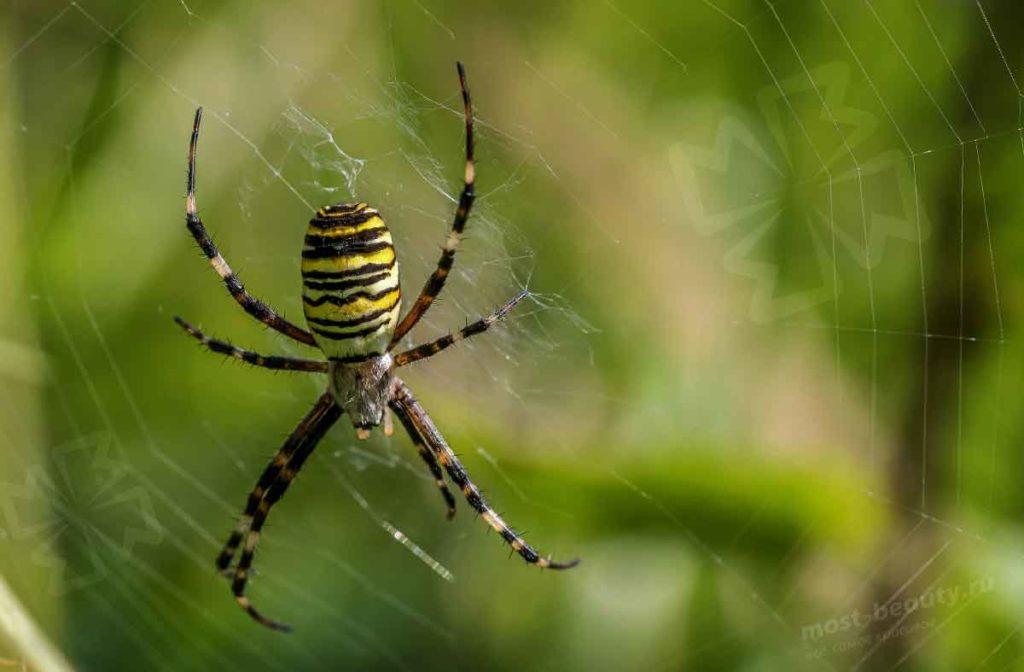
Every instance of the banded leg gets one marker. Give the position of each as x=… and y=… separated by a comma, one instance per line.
x=478, y=327
x=409, y=410
x=436, y=281
x=432, y=464
x=269, y=476
x=249, y=303
x=275, y=362
x=307, y=443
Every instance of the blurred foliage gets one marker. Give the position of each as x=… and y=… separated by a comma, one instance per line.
x=766, y=385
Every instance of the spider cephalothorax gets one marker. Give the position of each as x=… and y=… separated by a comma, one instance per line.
x=352, y=301
x=363, y=389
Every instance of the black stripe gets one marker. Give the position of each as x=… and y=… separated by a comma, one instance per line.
x=475, y=500
x=466, y=199
x=477, y=327
x=348, y=298
x=530, y=555
x=198, y=232
x=220, y=347
x=365, y=236
x=347, y=219
x=341, y=208
x=436, y=281
x=341, y=337
x=460, y=478
x=357, y=359
x=341, y=324
x=346, y=284
x=344, y=250
x=348, y=272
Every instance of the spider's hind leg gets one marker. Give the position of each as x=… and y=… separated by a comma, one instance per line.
x=268, y=478
x=431, y=462
x=271, y=487
x=409, y=411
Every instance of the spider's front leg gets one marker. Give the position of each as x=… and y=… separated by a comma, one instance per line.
x=247, y=301
x=435, y=283
x=413, y=416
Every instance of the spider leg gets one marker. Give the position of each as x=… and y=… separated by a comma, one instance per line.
x=315, y=432
x=436, y=281
x=273, y=483
x=431, y=461
x=249, y=357
x=430, y=349
x=269, y=477
x=249, y=303
x=410, y=411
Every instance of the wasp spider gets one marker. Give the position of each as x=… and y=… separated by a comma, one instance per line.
x=351, y=301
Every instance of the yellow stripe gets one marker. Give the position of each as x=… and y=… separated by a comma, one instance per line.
x=352, y=310
x=389, y=281
x=322, y=212
x=342, y=231
x=385, y=256
x=356, y=267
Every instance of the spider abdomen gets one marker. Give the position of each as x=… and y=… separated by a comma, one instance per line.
x=351, y=295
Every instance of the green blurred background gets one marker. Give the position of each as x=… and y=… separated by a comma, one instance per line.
x=767, y=385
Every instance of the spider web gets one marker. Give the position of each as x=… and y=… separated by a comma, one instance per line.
x=835, y=123
x=128, y=582
x=884, y=314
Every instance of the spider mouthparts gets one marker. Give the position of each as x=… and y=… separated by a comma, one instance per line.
x=362, y=434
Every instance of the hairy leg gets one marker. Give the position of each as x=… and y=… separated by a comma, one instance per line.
x=437, y=279
x=431, y=461
x=408, y=409
x=249, y=303
x=480, y=326
x=275, y=362
x=316, y=430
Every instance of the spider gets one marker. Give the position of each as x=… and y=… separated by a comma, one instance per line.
x=351, y=303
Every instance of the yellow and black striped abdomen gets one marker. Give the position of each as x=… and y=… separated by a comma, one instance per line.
x=350, y=282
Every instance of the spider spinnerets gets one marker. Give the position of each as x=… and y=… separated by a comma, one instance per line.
x=352, y=301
